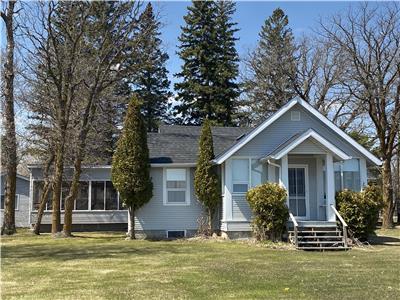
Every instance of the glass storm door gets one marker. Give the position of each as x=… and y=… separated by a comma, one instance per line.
x=298, y=191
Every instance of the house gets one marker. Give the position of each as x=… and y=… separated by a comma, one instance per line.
x=296, y=147
x=21, y=200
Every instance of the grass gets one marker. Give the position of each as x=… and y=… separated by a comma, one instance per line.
x=105, y=266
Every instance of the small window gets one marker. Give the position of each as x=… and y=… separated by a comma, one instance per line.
x=176, y=234
x=295, y=115
x=240, y=175
x=176, y=186
x=16, y=202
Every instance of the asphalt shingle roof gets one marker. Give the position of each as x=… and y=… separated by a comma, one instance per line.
x=179, y=144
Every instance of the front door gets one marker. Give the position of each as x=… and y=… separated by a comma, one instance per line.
x=298, y=191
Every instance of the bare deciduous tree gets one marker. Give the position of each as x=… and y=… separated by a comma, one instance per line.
x=369, y=38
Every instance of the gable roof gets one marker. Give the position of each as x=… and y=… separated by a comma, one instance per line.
x=299, y=138
x=179, y=144
x=248, y=137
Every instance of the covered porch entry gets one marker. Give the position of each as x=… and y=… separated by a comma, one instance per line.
x=304, y=165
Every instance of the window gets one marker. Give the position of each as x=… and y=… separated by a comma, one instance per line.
x=295, y=116
x=347, y=175
x=82, y=200
x=37, y=194
x=66, y=185
x=16, y=201
x=176, y=186
x=176, y=234
x=240, y=175
x=97, y=195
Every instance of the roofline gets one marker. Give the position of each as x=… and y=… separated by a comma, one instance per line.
x=153, y=165
x=224, y=156
x=343, y=134
x=18, y=176
x=309, y=133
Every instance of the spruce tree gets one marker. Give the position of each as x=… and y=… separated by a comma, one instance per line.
x=130, y=172
x=206, y=181
x=151, y=79
x=272, y=67
x=226, y=63
x=207, y=41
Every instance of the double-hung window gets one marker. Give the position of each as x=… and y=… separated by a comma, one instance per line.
x=240, y=175
x=176, y=187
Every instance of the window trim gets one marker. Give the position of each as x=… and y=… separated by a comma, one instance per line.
x=249, y=183
x=187, y=189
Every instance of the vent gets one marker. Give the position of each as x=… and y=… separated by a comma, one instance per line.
x=295, y=116
x=176, y=234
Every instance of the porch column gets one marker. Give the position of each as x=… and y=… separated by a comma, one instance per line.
x=330, y=188
x=284, y=178
x=228, y=216
x=363, y=173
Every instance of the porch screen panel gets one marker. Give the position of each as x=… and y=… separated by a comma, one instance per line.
x=97, y=195
x=82, y=200
x=111, y=197
x=351, y=175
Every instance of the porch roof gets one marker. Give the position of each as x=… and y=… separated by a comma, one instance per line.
x=298, y=139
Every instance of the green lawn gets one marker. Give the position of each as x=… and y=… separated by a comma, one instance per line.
x=105, y=266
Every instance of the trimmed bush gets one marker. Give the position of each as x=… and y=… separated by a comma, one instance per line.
x=270, y=213
x=360, y=210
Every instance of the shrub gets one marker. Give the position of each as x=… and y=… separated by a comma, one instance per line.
x=270, y=213
x=360, y=210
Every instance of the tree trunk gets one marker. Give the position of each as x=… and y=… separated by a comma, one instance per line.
x=131, y=227
x=10, y=143
x=59, y=169
x=387, y=181
x=46, y=190
x=69, y=201
x=42, y=206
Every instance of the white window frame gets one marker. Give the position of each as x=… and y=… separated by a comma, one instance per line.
x=17, y=198
x=187, y=189
x=250, y=184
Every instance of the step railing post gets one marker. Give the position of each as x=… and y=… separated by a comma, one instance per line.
x=295, y=229
x=344, y=225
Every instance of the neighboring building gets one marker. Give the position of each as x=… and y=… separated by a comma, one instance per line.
x=296, y=147
x=21, y=200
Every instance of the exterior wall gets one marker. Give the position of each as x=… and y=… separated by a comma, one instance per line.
x=22, y=212
x=283, y=128
x=152, y=220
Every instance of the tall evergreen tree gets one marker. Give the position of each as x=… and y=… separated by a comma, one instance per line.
x=151, y=81
x=227, y=63
x=271, y=66
x=130, y=172
x=207, y=89
x=206, y=183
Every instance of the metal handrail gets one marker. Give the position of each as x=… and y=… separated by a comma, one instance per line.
x=295, y=226
x=344, y=224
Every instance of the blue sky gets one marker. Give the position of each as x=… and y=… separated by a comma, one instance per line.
x=250, y=16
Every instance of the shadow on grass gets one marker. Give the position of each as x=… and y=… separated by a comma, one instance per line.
x=88, y=247
x=384, y=240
